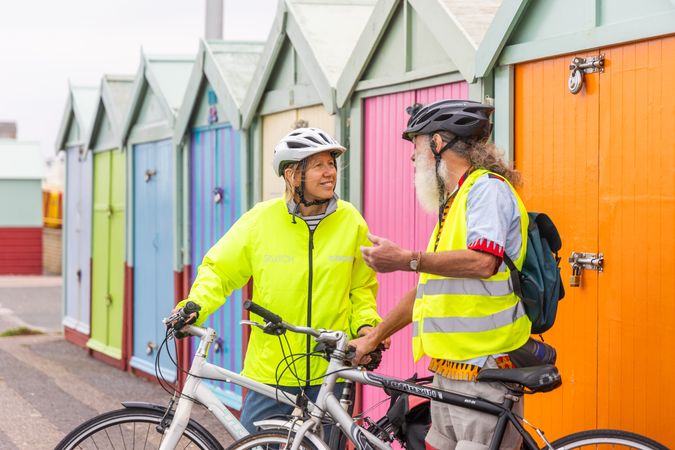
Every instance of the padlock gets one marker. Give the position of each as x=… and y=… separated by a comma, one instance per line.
x=575, y=278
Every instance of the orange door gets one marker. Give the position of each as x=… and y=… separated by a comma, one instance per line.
x=556, y=150
x=636, y=373
x=602, y=164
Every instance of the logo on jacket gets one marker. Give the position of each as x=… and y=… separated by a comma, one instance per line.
x=341, y=258
x=278, y=259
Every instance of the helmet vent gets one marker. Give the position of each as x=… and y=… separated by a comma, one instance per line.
x=465, y=121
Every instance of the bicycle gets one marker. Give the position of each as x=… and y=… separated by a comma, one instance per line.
x=300, y=431
x=156, y=426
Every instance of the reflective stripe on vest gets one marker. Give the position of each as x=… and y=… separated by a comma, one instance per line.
x=470, y=324
x=465, y=286
x=463, y=318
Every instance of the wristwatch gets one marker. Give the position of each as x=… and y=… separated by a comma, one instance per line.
x=414, y=263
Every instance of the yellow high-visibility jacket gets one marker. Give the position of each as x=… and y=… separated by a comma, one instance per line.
x=463, y=318
x=316, y=279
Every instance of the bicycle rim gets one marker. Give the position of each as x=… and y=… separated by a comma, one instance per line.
x=129, y=429
x=606, y=440
x=269, y=440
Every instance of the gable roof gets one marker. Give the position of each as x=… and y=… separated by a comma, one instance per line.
x=324, y=33
x=229, y=67
x=459, y=26
x=79, y=108
x=113, y=100
x=167, y=77
x=498, y=33
x=21, y=160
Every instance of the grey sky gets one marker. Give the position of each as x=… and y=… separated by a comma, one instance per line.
x=44, y=43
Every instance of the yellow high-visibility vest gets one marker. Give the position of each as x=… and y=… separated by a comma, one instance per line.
x=463, y=318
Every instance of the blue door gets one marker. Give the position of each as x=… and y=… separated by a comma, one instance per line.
x=152, y=252
x=215, y=205
x=77, y=240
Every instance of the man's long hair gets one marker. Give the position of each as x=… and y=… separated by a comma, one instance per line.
x=484, y=155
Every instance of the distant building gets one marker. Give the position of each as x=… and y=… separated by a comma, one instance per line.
x=21, y=172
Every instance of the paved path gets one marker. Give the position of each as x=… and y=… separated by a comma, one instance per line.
x=48, y=386
x=30, y=301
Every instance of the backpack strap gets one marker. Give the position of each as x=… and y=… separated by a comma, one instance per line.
x=514, y=273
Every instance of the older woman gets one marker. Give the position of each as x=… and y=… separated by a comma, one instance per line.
x=303, y=252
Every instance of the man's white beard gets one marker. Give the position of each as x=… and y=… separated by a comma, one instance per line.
x=426, y=183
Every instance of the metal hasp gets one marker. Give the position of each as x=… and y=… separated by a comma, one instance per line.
x=150, y=347
x=149, y=174
x=581, y=66
x=580, y=261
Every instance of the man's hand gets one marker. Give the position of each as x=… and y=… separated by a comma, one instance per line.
x=365, y=331
x=385, y=256
x=363, y=346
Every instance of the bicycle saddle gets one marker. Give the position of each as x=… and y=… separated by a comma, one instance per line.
x=535, y=378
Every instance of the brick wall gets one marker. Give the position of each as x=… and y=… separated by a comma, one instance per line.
x=51, y=250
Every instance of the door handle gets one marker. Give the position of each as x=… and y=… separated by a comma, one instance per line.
x=149, y=174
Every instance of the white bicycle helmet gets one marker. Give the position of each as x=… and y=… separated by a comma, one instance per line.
x=302, y=143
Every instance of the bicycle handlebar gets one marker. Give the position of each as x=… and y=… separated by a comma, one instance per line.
x=266, y=314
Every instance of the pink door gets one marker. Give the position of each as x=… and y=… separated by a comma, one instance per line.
x=391, y=210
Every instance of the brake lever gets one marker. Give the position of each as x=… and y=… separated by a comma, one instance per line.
x=252, y=323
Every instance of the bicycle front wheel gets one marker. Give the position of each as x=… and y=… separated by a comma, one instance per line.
x=132, y=428
x=270, y=440
x=606, y=439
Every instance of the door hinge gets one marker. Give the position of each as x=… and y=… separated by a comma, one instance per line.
x=580, y=66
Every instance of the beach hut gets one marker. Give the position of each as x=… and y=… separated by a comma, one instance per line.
x=108, y=219
x=586, y=104
x=296, y=80
x=214, y=165
x=22, y=168
x=413, y=51
x=147, y=137
x=76, y=254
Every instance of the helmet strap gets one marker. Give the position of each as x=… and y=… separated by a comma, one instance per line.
x=439, y=180
x=301, y=189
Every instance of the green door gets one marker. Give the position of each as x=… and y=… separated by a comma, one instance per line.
x=107, y=299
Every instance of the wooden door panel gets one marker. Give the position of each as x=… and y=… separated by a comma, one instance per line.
x=556, y=152
x=72, y=245
x=153, y=251
x=274, y=127
x=216, y=164
x=100, y=251
x=636, y=235
x=117, y=242
x=392, y=211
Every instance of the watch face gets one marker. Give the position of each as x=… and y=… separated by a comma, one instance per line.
x=413, y=264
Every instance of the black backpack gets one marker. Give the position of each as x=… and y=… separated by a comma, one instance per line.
x=539, y=285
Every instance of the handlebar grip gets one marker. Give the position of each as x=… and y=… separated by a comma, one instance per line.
x=262, y=312
x=191, y=307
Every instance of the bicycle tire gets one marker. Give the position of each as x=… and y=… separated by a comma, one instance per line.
x=269, y=440
x=617, y=439
x=131, y=428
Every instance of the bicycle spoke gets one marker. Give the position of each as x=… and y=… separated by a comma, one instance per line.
x=122, y=436
x=147, y=434
x=109, y=440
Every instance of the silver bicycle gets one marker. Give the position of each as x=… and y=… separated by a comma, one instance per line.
x=150, y=426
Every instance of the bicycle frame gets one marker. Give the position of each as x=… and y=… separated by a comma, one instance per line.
x=195, y=390
x=363, y=439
